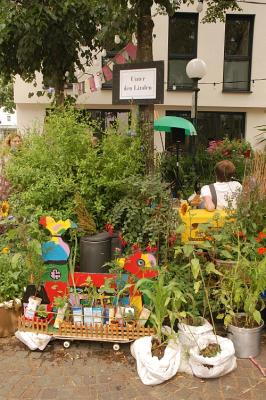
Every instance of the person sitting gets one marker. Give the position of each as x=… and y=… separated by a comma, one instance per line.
x=224, y=192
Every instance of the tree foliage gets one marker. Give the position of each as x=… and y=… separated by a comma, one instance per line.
x=49, y=36
x=7, y=95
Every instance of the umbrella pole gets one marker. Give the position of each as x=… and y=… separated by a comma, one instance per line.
x=177, y=183
x=162, y=140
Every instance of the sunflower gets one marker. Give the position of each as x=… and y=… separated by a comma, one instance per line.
x=184, y=208
x=5, y=250
x=4, y=209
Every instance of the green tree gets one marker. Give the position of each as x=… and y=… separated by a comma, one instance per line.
x=7, y=95
x=49, y=36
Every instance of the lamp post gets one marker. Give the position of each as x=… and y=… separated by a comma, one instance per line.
x=195, y=69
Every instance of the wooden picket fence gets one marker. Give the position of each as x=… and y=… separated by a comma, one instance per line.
x=97, y=332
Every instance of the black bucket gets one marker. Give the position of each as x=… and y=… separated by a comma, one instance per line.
x=95, y=251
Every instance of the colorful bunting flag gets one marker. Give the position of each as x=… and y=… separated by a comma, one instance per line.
x=107, y=73
x=131, y=50
x=92, y=83
x=120, y=59
x=110, y=65
x=98, y=81
x=95, y=81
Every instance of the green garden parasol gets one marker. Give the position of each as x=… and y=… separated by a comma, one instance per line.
x=165, y=124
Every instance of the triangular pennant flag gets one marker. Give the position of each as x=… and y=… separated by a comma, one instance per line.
x=81, y=88
x=119, y=59
x=92, y=83
x=125, y=55
x=110, y=65
x=75, y=89
x=98, y=81
x=101, y=75
x=107, y=73
x=131, y=50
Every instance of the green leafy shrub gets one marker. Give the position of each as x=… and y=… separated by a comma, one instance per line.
x=53, y=166
x=144, y=213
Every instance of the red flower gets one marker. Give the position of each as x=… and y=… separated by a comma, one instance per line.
x=109, y=228
x=172, y=239
x=240, y=234
x=258, y=239
x=122, y=240
x=261, y=250
x=247, y=153
x=209, y=238
x=262, y=235
x=151, y=249
x=135, y=247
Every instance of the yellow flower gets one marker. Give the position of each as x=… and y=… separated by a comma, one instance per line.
x=4, y=209
x=5, y=250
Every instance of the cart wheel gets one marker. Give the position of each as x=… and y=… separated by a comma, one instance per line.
x=116, y=347
x=66, y=344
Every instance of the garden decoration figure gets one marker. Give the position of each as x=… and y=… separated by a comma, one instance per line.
x=56, y=250
x=142, y=265
x=224, y=192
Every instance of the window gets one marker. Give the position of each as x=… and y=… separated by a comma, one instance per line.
x=238, y=52
x=106, y=118
x=182, y=47
x=211, y=126
x=8, y=117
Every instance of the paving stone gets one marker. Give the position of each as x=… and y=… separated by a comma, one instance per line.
x=93, y=371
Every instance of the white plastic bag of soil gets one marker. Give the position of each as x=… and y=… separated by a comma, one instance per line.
x=189, y=334
x=212, y=367
x=151, y=370
x=33, y=340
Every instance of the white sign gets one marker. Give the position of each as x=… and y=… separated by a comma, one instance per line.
x=138, y=84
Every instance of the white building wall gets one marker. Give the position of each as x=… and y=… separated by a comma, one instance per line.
x=211, y=98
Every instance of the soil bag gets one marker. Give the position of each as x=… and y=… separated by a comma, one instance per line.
x=33, y=340
x=213, y=367
x=189, y=334
x=151, y=370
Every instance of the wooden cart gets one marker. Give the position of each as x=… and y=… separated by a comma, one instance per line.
x=91, y=332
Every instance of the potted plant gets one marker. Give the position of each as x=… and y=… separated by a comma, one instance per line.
x=158, y=357
x=13, y=278
x=20, y=260
x=61, y=304
x=42, y=313
x=239, y=293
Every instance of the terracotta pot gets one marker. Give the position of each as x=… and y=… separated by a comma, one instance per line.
x=8, y=321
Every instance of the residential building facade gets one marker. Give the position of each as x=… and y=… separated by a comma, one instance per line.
x=232, y=96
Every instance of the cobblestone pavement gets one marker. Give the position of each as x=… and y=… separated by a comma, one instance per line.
x=91, y=371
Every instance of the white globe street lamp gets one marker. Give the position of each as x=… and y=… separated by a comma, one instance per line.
x=196, y=69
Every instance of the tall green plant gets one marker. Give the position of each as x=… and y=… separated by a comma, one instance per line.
x=51, y=167
x=145, y=214
x=163, y=295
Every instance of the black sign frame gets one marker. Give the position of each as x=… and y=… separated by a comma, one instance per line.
x=159, y=65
